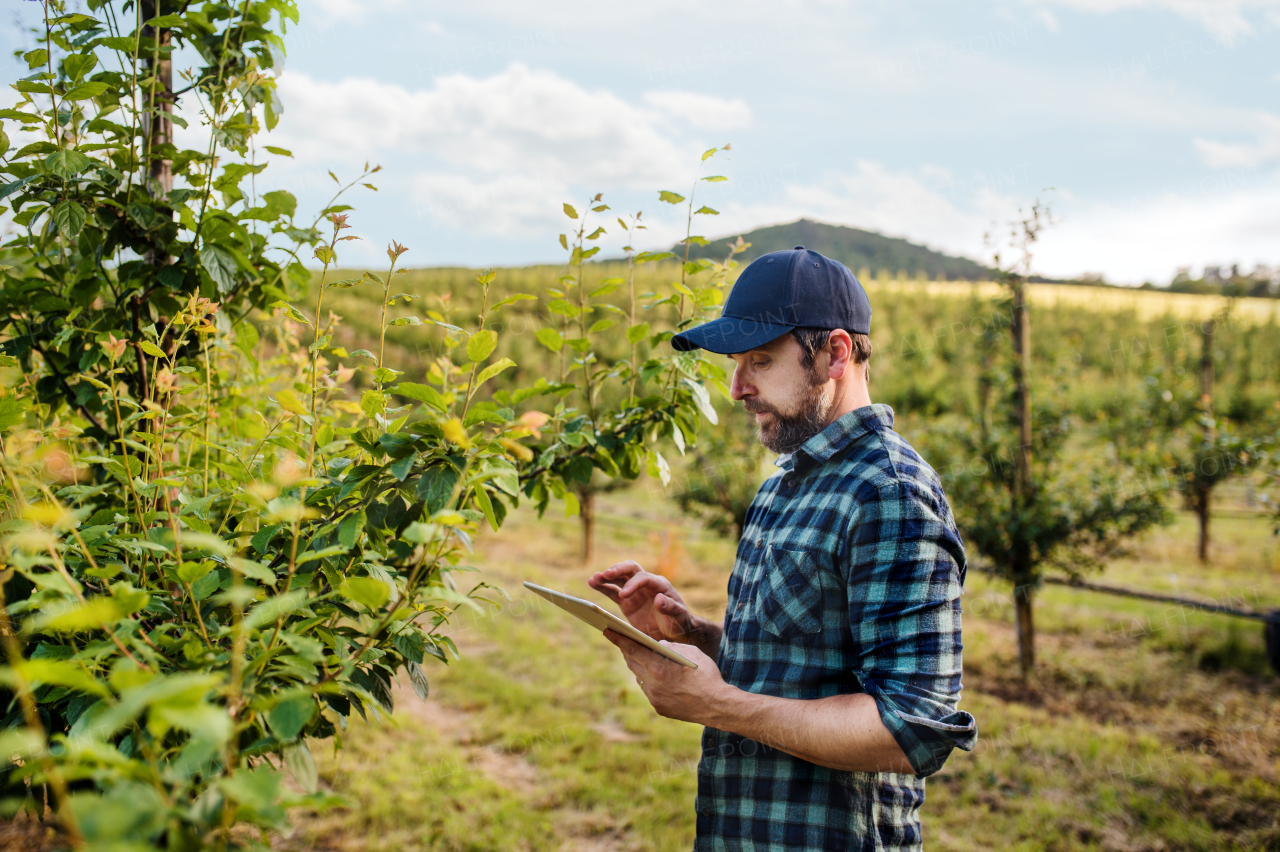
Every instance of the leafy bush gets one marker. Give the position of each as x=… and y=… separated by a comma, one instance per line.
x=211, y=555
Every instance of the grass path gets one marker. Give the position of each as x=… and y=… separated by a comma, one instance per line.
x=1145, y=728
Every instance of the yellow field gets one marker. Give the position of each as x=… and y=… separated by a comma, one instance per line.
x=1146, y=304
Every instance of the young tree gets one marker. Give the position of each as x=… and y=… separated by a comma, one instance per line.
x=1022, y=500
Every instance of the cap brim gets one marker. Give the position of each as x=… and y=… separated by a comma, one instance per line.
x=729, y=335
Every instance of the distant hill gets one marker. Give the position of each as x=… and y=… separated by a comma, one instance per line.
x=854, y=247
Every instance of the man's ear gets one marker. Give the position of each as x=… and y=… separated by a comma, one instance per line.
x=840, y=346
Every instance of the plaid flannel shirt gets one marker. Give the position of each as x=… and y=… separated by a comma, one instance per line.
x=847, y=579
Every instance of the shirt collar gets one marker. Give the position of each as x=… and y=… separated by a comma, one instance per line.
x=840, y=434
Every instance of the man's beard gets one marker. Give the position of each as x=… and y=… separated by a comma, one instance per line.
x=787, y=433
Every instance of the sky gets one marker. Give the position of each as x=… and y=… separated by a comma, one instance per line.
x=1151, y=126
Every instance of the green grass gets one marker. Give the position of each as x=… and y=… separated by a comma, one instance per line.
x=1144, y=727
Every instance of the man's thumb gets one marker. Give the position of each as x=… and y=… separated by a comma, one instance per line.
x=671, y=616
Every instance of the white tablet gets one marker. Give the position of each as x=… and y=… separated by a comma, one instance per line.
x=601, y=619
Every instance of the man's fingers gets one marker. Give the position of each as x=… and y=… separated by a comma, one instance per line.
x=645, y=580
x=622, y=571
x=604, y=587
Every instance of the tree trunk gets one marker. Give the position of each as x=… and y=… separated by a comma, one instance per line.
x=1022, y=599
x=1021, y=330
x=587, y=515
x=1204, y=492
x=160, y=100
x=1203, y=497
x=1023, y=484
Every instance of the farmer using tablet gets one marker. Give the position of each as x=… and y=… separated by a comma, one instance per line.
x=830, y=690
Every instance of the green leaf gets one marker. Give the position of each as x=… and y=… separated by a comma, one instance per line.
x=87, y=616
x=418, y=677
x=564, y=243
x=59, y=673
x=69, y=218
x=365, y=590
x=482, y=344
x=670, y=197
x=85, y=91
x=492, y=370
x=570, y=212
x=273, y=608
x=151, y=349
x=251, y=569
x=302, y=766
x=518, y=297
x=205, y=586
x=166, y=21
x=702, y=399
x=715, y=178
x=221, y=266
x=707, y=211
x=373, y=403
x=350, y=528
x=486, y=506
x=601, y=325
x=401, y=468
x=637, y=333
x=324, y=254
x=289, y=402
x=13, y=411
x=606, y=287
x=422, y=393
x=282, y=152
x=550, y=338
x=708, y=154
x=651, y=256
x=405, y=321
x=409, y=643
x=66, y=163
x=344, y=284
x=435, y=487
x=288, y=718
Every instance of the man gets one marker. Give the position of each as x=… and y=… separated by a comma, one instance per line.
x=830, y=690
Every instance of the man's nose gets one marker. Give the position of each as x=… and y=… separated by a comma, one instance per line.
x=739, y=388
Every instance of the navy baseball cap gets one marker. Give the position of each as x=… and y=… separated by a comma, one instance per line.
x=780, y=291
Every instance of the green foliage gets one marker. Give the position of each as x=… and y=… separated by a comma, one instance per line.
x=221, y=534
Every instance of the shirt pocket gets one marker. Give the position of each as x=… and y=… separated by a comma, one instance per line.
x=788, y=601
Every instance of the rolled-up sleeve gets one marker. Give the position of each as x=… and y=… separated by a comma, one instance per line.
x=905, y=576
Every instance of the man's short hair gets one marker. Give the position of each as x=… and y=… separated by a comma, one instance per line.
x=813, y=339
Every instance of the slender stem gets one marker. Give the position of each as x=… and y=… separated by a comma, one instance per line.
x=31, y=715
x=631, y=292
x=53, y=94
x=315, y=356
x=484, y=306
x=208, y=401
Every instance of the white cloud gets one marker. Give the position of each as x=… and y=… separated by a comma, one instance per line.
x=1224, y=155
x=1148, y=239
x=499, y=154
x=702, y=111
x=1049, y=20
x=523, y=121
x=1225, y=19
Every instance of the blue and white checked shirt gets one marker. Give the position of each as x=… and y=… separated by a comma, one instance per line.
x=847, y=579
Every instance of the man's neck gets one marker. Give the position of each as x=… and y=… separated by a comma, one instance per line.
x=849, y=396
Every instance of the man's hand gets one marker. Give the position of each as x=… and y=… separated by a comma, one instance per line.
x=675, y=691
x=654, y=607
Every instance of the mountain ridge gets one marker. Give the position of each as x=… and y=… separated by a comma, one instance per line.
x=864, y=252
